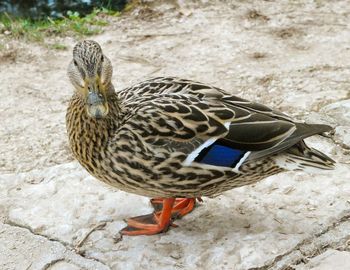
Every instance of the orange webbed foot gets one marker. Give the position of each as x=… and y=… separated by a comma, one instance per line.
x=151, y=224
x=182, y=206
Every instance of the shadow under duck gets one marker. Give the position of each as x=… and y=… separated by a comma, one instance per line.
x=176, y=140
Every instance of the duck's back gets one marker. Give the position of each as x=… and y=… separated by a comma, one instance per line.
x=203, y=135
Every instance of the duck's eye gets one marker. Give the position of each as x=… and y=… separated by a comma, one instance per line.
x=102, y=58
x=75, y=63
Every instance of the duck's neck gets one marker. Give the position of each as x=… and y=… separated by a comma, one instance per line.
x=88, y=137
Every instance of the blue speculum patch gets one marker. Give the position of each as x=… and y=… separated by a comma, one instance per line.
x=220, y=155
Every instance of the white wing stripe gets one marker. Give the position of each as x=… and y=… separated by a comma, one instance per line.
x=240, y=162
x=192, y=156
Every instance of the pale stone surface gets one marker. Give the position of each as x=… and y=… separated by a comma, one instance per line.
x=330, y=260
x=339, y=110
x=63, y=266
x=20, y=249
x=245, y=227
x=296, y=59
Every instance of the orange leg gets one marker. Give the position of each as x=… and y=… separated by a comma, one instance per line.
x=152, y=223
x=182, y=206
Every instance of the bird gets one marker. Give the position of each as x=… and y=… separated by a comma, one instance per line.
x=177, y=140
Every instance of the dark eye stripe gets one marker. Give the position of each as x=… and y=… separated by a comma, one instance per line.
x=82, y=72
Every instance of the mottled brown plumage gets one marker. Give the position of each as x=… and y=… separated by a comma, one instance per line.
x=147, y=139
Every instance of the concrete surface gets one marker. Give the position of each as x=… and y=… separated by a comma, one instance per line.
x=330, y=260
x=291, y=55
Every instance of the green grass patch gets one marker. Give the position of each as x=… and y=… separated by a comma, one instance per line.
x=132, y=4
x=71, y=25
x=58, y=46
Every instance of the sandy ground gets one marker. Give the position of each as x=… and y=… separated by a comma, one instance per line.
x=291, y=55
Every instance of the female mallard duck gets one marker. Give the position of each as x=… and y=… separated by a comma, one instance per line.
x=176, y=140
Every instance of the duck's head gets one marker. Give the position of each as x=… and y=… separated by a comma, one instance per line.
x=90, y=72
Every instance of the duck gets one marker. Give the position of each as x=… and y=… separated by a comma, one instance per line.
x=177, y=140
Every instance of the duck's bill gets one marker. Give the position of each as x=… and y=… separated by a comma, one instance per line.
x=96, y=105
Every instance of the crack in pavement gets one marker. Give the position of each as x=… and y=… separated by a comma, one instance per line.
x=14, y=224
x=298, y=247
x=49, y=264
x=68, y=246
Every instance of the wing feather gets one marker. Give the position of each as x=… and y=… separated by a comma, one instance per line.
x=183, y=111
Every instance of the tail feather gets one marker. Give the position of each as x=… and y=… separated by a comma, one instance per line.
x=303, y=131
x=301, y=157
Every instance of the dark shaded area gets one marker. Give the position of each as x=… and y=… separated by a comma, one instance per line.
x=37, y=9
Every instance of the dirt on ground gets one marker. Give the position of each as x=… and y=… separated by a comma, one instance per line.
x=290, y=55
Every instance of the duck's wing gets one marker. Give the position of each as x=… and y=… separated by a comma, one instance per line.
x=194, y=125
x=174, y=85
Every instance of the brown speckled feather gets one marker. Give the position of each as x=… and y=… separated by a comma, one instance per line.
x=147, y=139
